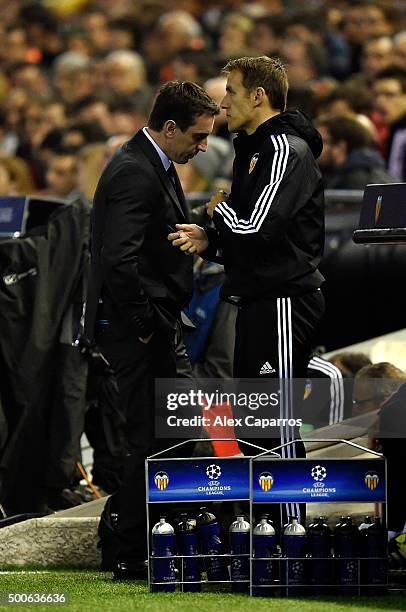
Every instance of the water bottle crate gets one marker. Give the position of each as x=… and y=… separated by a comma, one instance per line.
x=273, y=482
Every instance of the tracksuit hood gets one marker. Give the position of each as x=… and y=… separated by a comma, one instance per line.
x=295, y=123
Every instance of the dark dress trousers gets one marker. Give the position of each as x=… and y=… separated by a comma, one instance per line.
x=138, y=285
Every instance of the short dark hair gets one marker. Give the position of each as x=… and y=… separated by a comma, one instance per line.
x=183, y=102
x=350, y=130
x=349, y=363
x=394, y=73
x=263, y=71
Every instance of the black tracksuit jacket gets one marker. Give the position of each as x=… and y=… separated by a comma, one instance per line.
x=270, y=233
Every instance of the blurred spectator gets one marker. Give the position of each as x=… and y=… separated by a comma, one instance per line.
x=16, y=176
x=82, y=133
x=376, y=56
x=216, y=88
x=347, y=99
x=55, y=114
x=73, y=76
x=129, y=115
x=362, y=21
x=178, y=30
x=14, y=46
x=235, y=30
x=94, y=108
x=62, y=175
x=6, y=182
x=267, y=34
x=399, y=49
x=77, y=39
x=174, y=31
x=125, y=72
x=194, y=65
x=349, y=159
x=390, y=100
x=373, y=385
x=124, y=33
x=8, y=139
x=95, y=22
x=350, y=363
x=305, y=61
x=14, y=107
x=32, y=78
x=36, y=124
x=31, y=133
x=42, y=28
x=51, y=143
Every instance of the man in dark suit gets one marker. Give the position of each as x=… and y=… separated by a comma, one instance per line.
x=139, y=284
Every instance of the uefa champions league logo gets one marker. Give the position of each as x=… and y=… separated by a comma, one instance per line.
x=319, y=486
x=213, y=471
x=213, y=487
x=318, y=473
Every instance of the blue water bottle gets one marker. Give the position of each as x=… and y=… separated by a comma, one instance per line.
x=320, y=563
x=240, y=545
x=346, y=551
x=163, y=569
x=208, y=531
x=294, y=545
x=373, y=546
x=264, y=546
x=186, y=533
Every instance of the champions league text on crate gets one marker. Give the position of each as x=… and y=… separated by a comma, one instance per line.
x=198, y=480
x=245, y=408
x=329, y=480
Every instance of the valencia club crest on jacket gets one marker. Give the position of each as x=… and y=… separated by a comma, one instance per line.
x=253, y=162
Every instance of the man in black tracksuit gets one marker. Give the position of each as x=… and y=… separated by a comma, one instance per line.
x=269, y=233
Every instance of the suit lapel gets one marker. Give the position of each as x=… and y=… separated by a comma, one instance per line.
x=142, y=142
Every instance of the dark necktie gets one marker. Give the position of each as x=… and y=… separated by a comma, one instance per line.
x=171, y=172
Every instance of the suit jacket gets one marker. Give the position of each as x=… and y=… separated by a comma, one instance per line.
x=142, y=279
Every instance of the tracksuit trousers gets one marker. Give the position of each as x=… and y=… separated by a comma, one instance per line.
x=274, y=339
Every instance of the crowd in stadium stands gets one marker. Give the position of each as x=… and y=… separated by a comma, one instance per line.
x=77, y=78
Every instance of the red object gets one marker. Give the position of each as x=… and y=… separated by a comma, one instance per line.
x=33, y=55
x=225, y=429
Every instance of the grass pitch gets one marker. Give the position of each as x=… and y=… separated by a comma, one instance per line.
x=90, y=591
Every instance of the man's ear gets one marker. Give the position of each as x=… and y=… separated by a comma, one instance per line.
x=259, y=96
x=170, y=128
